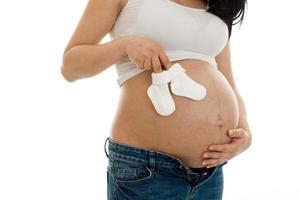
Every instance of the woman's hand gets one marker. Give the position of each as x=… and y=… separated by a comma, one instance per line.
x=219, y=153
x=146, y=54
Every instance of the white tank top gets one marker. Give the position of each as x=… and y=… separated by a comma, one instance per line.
x=183, y=32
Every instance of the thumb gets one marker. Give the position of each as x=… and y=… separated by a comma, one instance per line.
x=235, y=132
x=164, y=60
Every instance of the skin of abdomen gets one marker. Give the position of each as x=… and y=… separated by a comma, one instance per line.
x=194, y=125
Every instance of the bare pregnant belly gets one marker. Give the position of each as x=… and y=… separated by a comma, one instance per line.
x=194, y=125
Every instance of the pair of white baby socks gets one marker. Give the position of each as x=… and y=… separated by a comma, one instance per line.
x=181, y=85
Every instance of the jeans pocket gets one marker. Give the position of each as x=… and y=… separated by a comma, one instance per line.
x=126, y=172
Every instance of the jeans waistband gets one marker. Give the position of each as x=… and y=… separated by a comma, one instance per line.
x=137, y=154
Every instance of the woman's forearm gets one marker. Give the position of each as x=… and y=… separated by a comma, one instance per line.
x=83, y=61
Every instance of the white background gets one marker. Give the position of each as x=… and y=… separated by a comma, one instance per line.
x=52, y=132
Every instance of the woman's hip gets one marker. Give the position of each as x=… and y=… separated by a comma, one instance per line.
x=139, y=173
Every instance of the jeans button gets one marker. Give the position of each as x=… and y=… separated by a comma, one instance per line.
x=205, y=173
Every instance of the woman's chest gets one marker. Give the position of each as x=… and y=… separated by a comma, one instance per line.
x=173, y=26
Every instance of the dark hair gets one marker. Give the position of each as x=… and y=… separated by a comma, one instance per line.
x=228, y=11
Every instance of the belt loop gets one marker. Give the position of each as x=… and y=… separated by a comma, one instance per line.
x=105, y=146
x=152, y=159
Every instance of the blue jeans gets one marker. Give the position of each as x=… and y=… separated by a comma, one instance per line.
x=143, y=174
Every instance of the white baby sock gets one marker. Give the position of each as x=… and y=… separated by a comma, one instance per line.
x=160, y=95
x=183, y=85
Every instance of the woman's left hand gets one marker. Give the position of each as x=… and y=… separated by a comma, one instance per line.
x=219, y=153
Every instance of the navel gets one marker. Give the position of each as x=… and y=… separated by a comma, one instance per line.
x=217, y=119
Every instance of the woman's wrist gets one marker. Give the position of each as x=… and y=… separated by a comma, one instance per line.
x=124, y=41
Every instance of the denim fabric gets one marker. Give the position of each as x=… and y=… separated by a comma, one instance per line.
x=143, y=174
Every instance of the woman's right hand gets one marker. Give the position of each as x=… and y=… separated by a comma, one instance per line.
x=146, y=54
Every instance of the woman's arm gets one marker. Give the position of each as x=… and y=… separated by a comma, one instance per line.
x=83, y=56
x=224, y=65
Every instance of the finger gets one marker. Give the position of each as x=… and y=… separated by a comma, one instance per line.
x=215, y=154
x=212, y=162
x=216, y=164
x=222, y=147
x=156, y=64
x=236, y=133
x=164, y=59
x=147, y=64
x=138, y=62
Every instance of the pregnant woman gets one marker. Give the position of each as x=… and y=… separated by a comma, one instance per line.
x=180, y=117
